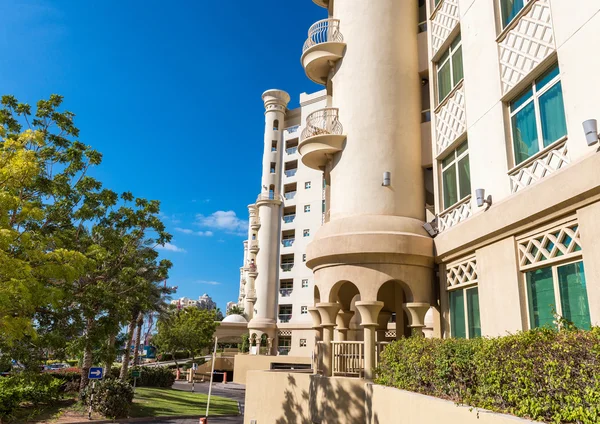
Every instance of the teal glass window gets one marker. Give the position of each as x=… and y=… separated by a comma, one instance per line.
x=456, y=176
x=450, y=69
x=510, y=9
x=457, y=314
x=473, y=312
x=464, y=313
x=559, y=289
x=538, y=116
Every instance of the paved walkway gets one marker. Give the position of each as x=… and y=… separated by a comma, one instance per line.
x=211, y=420
x=233, y=391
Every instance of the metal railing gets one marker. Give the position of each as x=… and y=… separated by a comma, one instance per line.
x=288, y=219
x=266, y=196
x=324, y=31
x=291, y=150
x=287, y=266
x=293, y=129
x=288, y=242
x=285, y=292
x=285, y=317
x=322, y=122
x=284, y=350
x=290, y=195
x=348, y=358
x=291, y=172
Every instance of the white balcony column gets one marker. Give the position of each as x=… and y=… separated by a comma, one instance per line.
x=328, y=312
x=416, y=316
x=343, y=324
x=316, y=325
x=268, y=210
x=369, y=313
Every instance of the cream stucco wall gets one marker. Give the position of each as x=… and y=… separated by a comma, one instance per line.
x=589, y=221
x=243, y=364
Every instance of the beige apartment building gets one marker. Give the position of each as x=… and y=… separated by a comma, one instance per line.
x=459, y=181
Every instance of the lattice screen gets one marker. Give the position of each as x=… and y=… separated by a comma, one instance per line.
x=284, y=333
x=539, y=168
x=461, y=273
x=562, y=241
x=443, y=23
x=451, y=120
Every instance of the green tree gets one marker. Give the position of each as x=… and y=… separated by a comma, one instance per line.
x=235, y=310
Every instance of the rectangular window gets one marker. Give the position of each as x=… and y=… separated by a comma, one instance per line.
x=561, y=290
x=307, y=185
x=304, y=310
x=538, y=116
x=284, y=345
x=456, y=176
x=464, y=313
x=306, y=233
x=449, y=69
x=274, y=146
x=306, y=208
x=304, y=284
x=272, y=167
x=302, y=342
x=510, y=8
x=304, y=257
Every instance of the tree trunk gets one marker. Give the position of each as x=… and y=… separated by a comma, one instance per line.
x=138, y=337
x=127, y=354
x=87, y=355
x=111, y=353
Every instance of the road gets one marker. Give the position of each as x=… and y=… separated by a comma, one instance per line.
x=211, y=420
x=230, y=390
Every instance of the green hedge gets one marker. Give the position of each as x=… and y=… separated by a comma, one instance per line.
x=540, y=374
x=153, y=377
x=112, y=398
x=27, y=387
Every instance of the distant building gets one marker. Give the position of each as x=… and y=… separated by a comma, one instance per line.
x=203, y=302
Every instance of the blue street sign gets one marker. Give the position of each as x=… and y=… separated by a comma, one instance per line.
x=96, y=373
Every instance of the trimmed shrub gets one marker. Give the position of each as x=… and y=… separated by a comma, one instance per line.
x=69, y=381
x=153, y=377
x=112, y=398
x=27, y=387
x=540, y=374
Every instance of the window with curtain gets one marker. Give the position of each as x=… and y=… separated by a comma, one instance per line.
x=538, y=116
x=464, y=313
x=559, y=289
x=510, y=8
x=449, y=69
x=456, y=176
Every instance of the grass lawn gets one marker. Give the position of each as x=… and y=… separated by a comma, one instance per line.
x=154, y=402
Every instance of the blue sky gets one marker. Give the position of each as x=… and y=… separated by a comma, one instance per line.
x=169, y=92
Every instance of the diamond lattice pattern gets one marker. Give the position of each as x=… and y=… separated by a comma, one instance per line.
x=450, y=120
x=541, y=167
x=443, y=23
x=526, y=45
x=562, y=241
x=462, y=273
x=457, y=214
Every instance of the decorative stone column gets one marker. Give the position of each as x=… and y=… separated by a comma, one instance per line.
x=382, y=320
x=369, y=312
x=416, y=316
x=343, y=324
x=316, y=325
x=328, y=312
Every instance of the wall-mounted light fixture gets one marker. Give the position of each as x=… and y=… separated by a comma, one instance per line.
x=481, y=199
x=387, y=179
x=432, y=227
x=590, y=127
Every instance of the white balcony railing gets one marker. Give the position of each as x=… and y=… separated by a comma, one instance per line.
x=290, y=195
x=291, y=172
x=457, y=213
x=288, y=242
x=348, y=358
x=288, y=219
x=322, y=122
x=324, y=31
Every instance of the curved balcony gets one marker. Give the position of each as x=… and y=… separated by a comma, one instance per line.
x=322, y=137
x=254, y=246
x=255, y=223
x=324, y=46
x=322, y=3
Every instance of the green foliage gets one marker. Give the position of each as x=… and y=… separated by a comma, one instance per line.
x=235, y=310
x=112, y=398
x=27, y=387
x=154, y=377
x=541, y=374
x=244, y=346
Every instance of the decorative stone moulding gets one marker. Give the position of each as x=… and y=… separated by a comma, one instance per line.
x=538, y=167
x=323, y=47
x=528, y=41
x=443, y=21
x=450, y=119
x=461, y=273
x=456, y=214
x=559, y=242
x=322, y=137
x=322, y=3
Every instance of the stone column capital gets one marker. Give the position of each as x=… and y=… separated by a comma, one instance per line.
x=416, y=313
x=369, y=312
x=343, y=319
x=275, y=100
x=328, y=312
x=316, y=317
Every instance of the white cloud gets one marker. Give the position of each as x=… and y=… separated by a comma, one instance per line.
x=225, y=221
x=171, y=248
x=210, y=283
x=195, y=233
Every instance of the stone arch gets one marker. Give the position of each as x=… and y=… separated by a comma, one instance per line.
x=394, y=293
x=276, y=125
x=344, y=292
x=316, y=295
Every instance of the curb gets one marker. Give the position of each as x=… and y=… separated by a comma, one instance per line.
x=152, y=419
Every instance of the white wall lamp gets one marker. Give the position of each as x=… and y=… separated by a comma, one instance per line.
x=481, y=199
x=432, y=227
x=590, y=127
x=387, y=179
